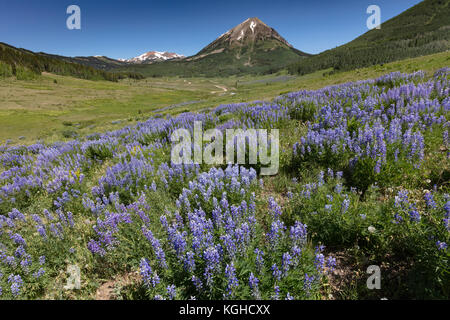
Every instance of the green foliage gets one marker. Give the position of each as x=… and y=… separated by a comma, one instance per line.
x=99, y=151
x=368, y=224
x=5, y=70
x=421, y=30
x=69, y=134
x=224, y=64
x=24, y=73
x=26, y=65
x=402, y=229
x=303, y=112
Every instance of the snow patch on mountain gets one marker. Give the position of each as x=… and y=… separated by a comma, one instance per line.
x=241, y=35
x=154, y=56
x=252, y=26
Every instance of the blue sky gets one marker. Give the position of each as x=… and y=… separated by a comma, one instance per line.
x=125, y=29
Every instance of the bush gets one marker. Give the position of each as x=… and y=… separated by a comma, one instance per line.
x=214, y=247
x=69, y=134
x=305, y=111
x=5, y=70
x=399, y=230
x=25, y=74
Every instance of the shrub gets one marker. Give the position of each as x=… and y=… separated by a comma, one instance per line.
x=5, y=70
x=25, y=74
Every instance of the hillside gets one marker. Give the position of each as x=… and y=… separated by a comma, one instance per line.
x=251, y=47
x=97, y=62
x=420, y=30
x=362, y=181
x=25, y=63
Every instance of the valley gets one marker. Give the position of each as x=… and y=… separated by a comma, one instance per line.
x=116, y=183
x=38, y=109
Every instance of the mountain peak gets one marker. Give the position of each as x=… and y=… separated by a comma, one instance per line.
x=154, y=56
x=250, y=31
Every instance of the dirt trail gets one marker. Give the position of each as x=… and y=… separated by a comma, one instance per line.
x=220, y=87
x=109, y=289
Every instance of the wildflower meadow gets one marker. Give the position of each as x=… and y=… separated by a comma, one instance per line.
x=363, y=180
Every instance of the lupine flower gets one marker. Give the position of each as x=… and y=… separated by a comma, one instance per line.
x=287, y=262
x=148, y=276
x=276, y=231
x=11, y=261
x=41, y=231
x=276, y=273
x=430, y=200
x=39, y=273
x=232, y=281
x=330, y=263
x=26, y=262
x=307, y=283
x=159, y=252
x=276, y=295
x=259, y=258
x=441, y=245
x=197, y=282
x=171, y=292
x=319, y=262
x=414, y=215
x=189, y=262
x=17, y=238
x=397, y=218
x=95, y=248
x=298, y=232
x=253, y=283
x=319, y=249
x=16, y=284
x=20, y=251
x=212, y=259
x=344, y=206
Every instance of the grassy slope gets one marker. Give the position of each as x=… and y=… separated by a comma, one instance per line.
x=420, y=30
x=96, y=92
x=37, y=109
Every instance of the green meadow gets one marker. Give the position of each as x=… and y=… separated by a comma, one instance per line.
x=349, y=210
x=53, y=108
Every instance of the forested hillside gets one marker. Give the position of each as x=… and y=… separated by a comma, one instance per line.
x=25, y=64
x=421, y=30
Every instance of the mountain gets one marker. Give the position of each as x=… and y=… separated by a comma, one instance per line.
x=250, y=32
x=153, y=56
x=25, y=64
x=97, y=62
x=421, y=30
x=251, y=47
